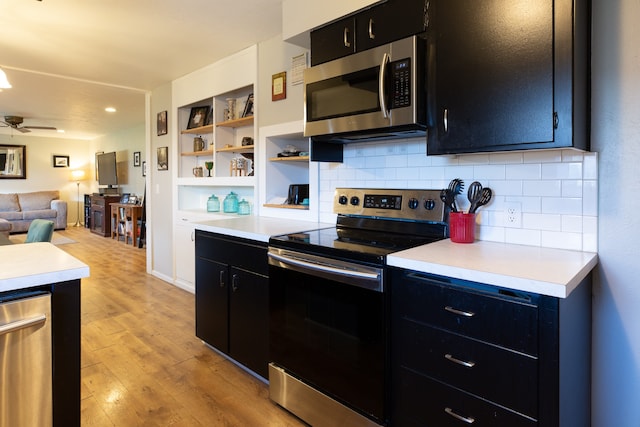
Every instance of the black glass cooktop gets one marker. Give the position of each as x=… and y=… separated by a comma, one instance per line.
x=349, y=244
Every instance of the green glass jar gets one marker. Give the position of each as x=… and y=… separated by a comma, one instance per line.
x=244, y=208
x=213, y=204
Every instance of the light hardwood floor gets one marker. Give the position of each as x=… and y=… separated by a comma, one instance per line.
x=142, y=364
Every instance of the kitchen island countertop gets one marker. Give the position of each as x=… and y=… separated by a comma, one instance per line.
x=552, y=272
x=33, y=264
x=258, y=228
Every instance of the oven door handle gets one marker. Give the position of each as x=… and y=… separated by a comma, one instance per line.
x=365, y=279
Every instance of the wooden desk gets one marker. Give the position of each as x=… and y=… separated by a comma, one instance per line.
x=120, y=227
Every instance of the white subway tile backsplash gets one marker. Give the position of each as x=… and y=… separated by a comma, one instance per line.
x=572, y=188
x=560, y=240
x=557, y=189
x=528, y=171
x=542, y=188
x=549, y=222
x=562, y=171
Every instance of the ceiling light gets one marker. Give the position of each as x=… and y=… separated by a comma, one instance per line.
x=60, y=130
x=110, y=110
x=4, y=82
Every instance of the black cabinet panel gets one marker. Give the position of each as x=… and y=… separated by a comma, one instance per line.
x=249, y=317
x=484, y=314
x=232, y=298
x=333, y=41
x=421, y=401
x=212, y=307
x=472, y=365
x=368, y=28
x=507, y=75
x=390, y=21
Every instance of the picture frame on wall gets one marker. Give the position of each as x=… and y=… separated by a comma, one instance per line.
x=13, y=161
x=136, y=159
x=198, y=117
x=60, y=161
x=161, y=123
x=163, y=158
x=144, y=168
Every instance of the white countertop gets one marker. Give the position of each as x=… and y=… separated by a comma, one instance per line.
x=33, y=264
x=553, y=272
x=257, y=228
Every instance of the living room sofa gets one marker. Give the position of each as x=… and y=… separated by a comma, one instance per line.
x=19, y=209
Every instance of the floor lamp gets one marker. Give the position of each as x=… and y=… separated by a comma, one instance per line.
x=78, y=175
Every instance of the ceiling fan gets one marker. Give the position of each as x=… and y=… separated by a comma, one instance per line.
x=15, y=122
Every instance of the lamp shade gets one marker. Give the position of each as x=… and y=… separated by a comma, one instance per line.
x=77, y=175
x=4, y=82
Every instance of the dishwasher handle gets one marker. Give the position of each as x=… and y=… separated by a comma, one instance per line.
x=22, y=324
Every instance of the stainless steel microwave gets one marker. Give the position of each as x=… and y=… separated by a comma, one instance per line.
x=379, y=93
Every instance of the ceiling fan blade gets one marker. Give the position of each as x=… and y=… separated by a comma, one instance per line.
x=38, y=127
x=22, y=130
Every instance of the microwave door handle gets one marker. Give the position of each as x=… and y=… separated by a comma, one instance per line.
x=381, y=86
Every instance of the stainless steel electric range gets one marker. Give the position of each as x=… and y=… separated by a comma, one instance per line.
x=329, y=309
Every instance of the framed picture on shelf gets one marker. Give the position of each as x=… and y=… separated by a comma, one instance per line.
x=198, y=117
x=161, y=123
x=125, y=198
x=136, y=158
x=209, y=120
x=248, y=106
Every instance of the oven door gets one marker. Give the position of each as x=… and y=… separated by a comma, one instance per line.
x=328, y=329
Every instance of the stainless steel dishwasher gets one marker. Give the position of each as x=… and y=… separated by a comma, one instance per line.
x=26, y=397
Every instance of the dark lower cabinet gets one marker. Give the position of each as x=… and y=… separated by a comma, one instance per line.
x=469, y=353
x=232, y=298
x=508, y=75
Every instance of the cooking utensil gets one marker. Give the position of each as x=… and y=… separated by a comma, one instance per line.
x=485, y=197
x=455, y=187
x=448, y=198
x=473, y=194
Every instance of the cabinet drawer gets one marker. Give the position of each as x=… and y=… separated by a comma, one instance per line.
x=421, y=401
x=487, y=313
x=502, y=376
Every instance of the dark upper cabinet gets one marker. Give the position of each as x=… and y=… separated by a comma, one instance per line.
x=507, y=75
x=333, y=41
x=368, y=28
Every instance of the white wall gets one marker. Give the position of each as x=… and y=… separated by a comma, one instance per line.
x=616, y=135
x=41, y=175
x=160, y=212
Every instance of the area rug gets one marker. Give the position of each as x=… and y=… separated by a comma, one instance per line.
x=57, y=238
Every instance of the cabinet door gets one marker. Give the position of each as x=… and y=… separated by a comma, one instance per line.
x=249, y=321
x=393, y=20
x=491, y=75
x=333, y=41
x=185, y=254
x=212, y=303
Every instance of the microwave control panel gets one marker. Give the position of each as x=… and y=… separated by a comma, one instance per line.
x=400, y=83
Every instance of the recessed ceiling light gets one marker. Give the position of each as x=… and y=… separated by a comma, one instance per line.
x=110, y=110
x=60, y=130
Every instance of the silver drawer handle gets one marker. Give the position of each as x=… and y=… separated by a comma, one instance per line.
x=459, y=312
x=22, y=324
x=467, y=420
x=450, y=358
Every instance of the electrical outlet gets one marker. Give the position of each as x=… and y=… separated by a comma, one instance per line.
x=513, y=214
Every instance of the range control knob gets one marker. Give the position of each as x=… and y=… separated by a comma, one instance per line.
x=429, y=204
x=355, y=201
x=342, y=200
x=413, y=203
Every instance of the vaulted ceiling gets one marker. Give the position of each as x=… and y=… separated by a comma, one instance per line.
x=67, y=59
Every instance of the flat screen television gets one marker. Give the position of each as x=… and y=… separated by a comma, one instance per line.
x=107, y=170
